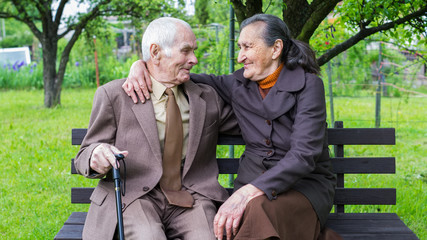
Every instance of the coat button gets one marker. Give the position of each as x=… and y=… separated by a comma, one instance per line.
x=268, y=122
x=274, y=194
x=267, y=141
x=123, y=205
x=269, y=153
x=145, y=189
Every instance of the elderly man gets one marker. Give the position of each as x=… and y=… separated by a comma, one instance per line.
x=171, y=180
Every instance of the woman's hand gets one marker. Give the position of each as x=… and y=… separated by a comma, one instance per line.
x=230, y=213
x=138, y=82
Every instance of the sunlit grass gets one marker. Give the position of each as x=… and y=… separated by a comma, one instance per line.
x=35, y=149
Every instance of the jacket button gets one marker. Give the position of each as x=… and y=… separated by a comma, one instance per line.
x=268, y=122
x=269, y=153
x=274, y=194
x=123, y=205
x=145, y=189
x=267, y=141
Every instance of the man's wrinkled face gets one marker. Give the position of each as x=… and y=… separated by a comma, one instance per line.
x=176, y=68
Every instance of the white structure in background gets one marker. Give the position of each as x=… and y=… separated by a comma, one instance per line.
x=13, y=55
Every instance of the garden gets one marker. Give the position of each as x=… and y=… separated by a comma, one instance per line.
x=35, y=143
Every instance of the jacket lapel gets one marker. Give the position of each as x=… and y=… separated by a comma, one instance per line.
x=144, y=113
x=289, y=82
x=196, y=122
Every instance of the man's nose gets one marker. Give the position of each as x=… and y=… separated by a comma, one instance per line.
x=241, y=57
x=193, y=59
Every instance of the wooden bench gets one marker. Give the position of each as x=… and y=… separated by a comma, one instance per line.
x=350, y=225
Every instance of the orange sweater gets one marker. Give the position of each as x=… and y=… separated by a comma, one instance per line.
x=267, y=83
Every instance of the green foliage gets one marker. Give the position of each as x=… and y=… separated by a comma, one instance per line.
x=81, y=70
x=274, y=7
x=352, y=14
x=17, y=35
x=14, y=76
x=213, y=51
x=201, y=11
x=207, y=12
x=355, y=71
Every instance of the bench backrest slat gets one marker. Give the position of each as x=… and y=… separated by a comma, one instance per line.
x=365, y=196
x=361, y=136
x=364, y=165
x=81, y=195
x=336, y=136
x=340, y=165
x=77, y=135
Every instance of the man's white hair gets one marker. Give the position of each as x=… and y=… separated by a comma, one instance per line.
x=161, y=31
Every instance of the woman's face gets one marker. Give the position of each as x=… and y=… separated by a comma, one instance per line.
x=259, y=59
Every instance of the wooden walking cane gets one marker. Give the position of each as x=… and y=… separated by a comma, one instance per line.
x=116, y=177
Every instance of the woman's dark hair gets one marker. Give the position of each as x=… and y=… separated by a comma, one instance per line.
x=294, y=52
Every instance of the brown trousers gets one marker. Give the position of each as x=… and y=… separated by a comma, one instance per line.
x=288, y=217
x=152, y=218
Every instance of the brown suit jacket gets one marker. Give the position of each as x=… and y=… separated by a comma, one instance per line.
x=116, y=120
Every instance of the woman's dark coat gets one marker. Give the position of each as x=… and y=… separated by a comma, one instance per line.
x=285, y=135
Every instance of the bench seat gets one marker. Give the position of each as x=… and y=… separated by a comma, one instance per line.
x=375, y=226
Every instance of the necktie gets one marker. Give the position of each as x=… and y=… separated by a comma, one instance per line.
x=170, y=182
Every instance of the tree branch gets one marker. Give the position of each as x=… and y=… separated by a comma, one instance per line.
x=9, y=15
x=319, y=9
x=363, y=33
x=95, y=12
x=41, y=7
x=59, y=11
x=239, y=10
x=26, y=19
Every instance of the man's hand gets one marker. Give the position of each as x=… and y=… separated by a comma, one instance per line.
x=138, y=82
x=103, y=158
x=230, y=213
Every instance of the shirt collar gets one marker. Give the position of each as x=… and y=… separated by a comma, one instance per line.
x=159, y=89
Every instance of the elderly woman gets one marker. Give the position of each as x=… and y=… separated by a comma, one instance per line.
x=285, y=185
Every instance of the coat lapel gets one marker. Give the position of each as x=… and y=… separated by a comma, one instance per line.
x=144, y=113
x=247, y=92
x=196, y=122
x=289, y=82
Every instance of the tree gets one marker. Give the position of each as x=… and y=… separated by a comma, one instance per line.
x=360, y=18
x=45, y=20
x=202, y=14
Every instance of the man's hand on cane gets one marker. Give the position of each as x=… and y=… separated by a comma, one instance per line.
x=103, y=158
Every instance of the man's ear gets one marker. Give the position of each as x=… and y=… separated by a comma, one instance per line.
x=277, y=49
x=155, y=53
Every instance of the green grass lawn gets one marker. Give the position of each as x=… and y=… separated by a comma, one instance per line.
x=35, y=149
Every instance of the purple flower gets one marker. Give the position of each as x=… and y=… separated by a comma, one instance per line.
x=77, y=64
x=15, y=66
x=21, y=64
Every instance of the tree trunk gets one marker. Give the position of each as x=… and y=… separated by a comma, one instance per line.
x=242, y=11
x=309, y=16
x=52, y=90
